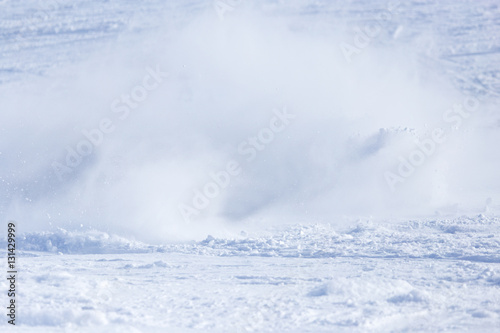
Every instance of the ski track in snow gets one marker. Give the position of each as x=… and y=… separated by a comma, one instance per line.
x=65, y=31
x=417, y=275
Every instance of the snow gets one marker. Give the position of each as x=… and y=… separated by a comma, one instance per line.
x=414, y=276
x=174, y=167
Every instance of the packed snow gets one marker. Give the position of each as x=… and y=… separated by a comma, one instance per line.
x=251, y=166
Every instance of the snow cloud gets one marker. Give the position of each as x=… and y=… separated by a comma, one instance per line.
x=147, y=149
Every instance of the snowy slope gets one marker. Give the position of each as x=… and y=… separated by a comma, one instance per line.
x=153, y=228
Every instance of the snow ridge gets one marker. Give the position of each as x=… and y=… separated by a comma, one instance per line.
x=80, y=242
x=463, y=238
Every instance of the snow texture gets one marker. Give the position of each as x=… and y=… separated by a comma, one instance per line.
x=252, y=166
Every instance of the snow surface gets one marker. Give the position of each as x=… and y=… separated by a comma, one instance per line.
x=435, y=275
x=308, y=236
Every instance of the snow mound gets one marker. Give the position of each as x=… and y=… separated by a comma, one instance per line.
x=463, y=238
x=87, y=242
